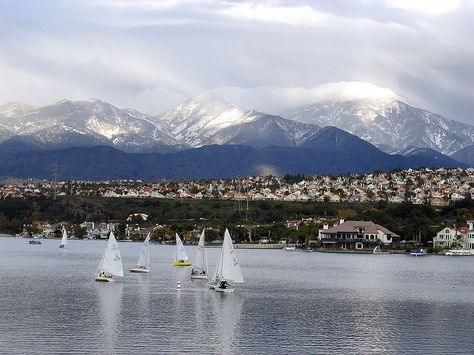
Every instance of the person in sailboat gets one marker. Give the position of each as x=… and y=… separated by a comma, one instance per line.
x=193, y=272
x=102, y=274
x=223, y=284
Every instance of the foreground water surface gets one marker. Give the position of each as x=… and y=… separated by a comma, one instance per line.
x=291, y=302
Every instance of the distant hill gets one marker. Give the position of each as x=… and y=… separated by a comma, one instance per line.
x=213, y=161
x=427, y=157
x=265, y=130
x=465, y=155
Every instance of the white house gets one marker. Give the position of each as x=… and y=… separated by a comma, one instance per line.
x=470, y=235
x=464, y=237
x=446, y=237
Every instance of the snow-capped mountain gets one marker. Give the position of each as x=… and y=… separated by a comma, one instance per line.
x=90, y=122
x=8, y=112
x=228, y=140
x=15, y=109
x=198, y=118
x=388, y=123
x=206, y=119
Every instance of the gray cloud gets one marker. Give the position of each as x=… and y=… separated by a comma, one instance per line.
x=261, y=54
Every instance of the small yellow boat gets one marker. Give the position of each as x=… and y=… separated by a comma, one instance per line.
x=182, y=263
x=180, y=256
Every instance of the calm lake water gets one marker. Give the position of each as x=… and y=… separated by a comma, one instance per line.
x=291, y=302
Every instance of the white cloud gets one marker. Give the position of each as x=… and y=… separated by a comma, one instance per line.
x=153, y=101
x=289, y=15
x=264, y=54
x=274, y=99
x=143, y=4
x=430, y=7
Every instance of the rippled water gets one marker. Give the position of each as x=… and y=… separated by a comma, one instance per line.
x=291, y=303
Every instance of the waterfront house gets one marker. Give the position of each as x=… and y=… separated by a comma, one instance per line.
x=446, y=237
x=354, y=235
x=469, y=236
x=48, y=230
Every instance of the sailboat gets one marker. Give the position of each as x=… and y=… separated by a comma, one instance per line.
x=143, y=263
x=63, y=239
x=229, y=270
x=217, y=271
x=180, y=256
x=201, y=260
x=111, y=262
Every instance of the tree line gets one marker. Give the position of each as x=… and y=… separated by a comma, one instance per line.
x=262, y=220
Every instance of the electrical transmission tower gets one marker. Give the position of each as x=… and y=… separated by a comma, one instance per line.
x=55, y=170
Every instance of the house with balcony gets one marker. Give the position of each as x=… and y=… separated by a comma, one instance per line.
x=355, y=235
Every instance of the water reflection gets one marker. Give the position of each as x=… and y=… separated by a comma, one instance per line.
x=143, y=290
x=228, y=310
x=109, y=297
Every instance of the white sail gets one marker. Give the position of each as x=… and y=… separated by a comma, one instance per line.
x=218, y=270
x=180, y=253
x=111, y=262
x=230, y=266
x=64, y=238
x=201, y=256
x=144, y=258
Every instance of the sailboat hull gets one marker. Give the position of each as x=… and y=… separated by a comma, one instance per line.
x=182, y=263
x=104, y=279
x=139, y=270
x=225, y=290
x=199, y=277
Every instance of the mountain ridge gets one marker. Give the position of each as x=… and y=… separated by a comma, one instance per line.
x=388, y=123
x=206, y=120
x=210, y=161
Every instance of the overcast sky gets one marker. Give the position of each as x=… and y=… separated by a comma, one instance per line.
x=266, y=55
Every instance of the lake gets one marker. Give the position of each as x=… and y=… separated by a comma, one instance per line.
x=291, y=302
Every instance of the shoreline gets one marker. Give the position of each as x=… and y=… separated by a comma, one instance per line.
x=243, y=246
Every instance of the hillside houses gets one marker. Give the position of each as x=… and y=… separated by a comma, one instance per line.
x=437, y=187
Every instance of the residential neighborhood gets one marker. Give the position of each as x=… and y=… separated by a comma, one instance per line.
x=436, y=187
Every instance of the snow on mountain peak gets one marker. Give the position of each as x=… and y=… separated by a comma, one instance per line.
x=199, y=117
x=206, y=104
x=388, y=122
x=61, y=102
x=13, y=109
